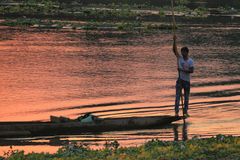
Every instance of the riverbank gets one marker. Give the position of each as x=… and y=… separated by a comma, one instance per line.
x=219, y=147
x=111, y=17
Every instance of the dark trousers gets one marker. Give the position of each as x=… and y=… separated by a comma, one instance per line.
x=185, y=85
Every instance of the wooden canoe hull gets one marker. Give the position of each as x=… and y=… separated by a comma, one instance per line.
x=28, y=129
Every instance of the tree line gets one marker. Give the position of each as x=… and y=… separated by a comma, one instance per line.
x=160, y=3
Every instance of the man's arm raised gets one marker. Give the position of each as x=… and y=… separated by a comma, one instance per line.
x=175, y=50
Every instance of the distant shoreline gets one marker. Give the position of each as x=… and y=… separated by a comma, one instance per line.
x=113, y=17
x=162, y=24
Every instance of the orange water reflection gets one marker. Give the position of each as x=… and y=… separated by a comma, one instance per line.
x=45, y=73
x=29, y=149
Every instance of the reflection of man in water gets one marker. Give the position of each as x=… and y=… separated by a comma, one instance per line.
x=185, y=68
x=184, y=132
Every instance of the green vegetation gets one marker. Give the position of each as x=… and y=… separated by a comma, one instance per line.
x=190, y=3
x=92, y=25
x=30, y=7
x=53, y=24
x=182, y=2
x=112, y=11
x=200, y=11
x=219, y=147
x=127, y=16
x=48, y=8
x=182, y=8
x=21, y=22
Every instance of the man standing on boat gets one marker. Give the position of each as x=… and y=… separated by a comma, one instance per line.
x=185, y=68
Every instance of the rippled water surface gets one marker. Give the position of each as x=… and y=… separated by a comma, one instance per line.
x=118, y=74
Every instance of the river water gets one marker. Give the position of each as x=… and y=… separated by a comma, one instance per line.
x=118, y=74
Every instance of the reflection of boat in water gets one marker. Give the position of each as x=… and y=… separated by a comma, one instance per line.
x=28, y=129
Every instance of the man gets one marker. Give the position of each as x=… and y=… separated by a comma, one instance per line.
x=185, y=68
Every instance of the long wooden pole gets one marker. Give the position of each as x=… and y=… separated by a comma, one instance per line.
x=173, y=19
x=174, y=33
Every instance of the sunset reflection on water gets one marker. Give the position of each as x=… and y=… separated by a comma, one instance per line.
x=70, y=73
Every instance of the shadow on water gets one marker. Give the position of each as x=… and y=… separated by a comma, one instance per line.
x=180, y=133
x=90, y=106
x=104, y=38
x=142, y=109
x=92, y=35
x=135, y=112
x=218, y=37
x=217, y=83
x=184, y=130
x=224, y=93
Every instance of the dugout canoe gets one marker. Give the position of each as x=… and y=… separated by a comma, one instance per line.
x=30, y=129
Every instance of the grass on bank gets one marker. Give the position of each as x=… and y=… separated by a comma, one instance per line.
x=74, y=10
x=215, y=148
x=85, y=25
x=113, y=17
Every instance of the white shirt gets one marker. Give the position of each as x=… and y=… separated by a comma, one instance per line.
x=185, y=65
